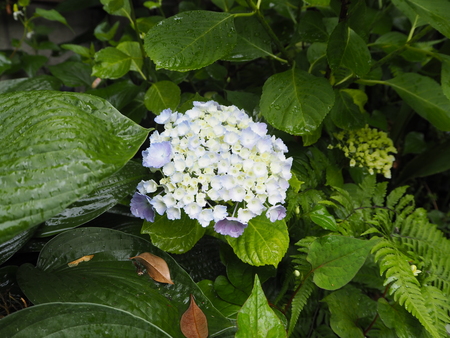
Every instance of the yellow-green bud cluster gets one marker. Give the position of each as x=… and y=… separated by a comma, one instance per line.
x=367, y=147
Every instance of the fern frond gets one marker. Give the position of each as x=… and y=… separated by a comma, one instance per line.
x=438, y=307
x=428, y=243
x=395, y=196
x=299, y=301
x=404, y=286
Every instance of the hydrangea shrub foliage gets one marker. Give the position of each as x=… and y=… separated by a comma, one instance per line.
x=285, y=163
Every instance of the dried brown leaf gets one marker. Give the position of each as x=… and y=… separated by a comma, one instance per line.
x=193, y=322
x=156, y=267
x=79, y=260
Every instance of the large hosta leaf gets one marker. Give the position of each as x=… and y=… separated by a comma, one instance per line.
x=76, y=320
x=107, y=194
x=262, y=243
x=296, y=101
x=110, y=278
x=191, y=40
x=57, y=148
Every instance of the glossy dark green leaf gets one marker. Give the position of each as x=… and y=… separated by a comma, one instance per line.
x=11, y=246
x=345, y=113
x=436, y=13
x=111, y=63
x=445, y=75
x=311, y=27
x=252, y=40
x=178, y=43
x=77, y=320
x=107, y=194
x=73, y=73
x=117, y=7
x=62, y=145
x=257, y=319
x=5, y=63
x=176, y=236
x=262, y=243
x=296, y=101
x=410, y=13
x=414, y=143
x=227, y=309
x=351, y=312
x=335, y=260
x=323, y=218
x=110, y=278
x=105, y=32
x=228, y=292
x=162, y=95
x=346, y=49
x=425, y=96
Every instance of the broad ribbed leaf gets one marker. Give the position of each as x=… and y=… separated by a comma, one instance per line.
x=134, y=52
x=107, y=194
x=345, y=113
x=110, y=278
x=73, y=73
x=262, y=243
x=323, y=218
x=425, y=96
x=191, y=40
x=162, y=95
x=347, y=49
x=77, y=320
x=296, y=101
x=60, y=147
x=436, y=13
x=335, y=260
x=257, y=319
x=176, y=236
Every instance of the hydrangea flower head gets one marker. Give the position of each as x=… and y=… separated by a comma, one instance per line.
x=217, y=165
x=369, y=148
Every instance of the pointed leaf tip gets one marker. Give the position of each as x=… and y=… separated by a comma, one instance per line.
x=156, y=267
x=193, y=322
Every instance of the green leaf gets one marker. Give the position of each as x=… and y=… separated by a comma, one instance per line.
x=110, y=279
x=117, y=7
x=429, y=162
x=414, y=143
x=396, y=317
x=445, y=75
x=52, y=15
x=257, y=319
x=227, y=309
x=133, y=50
x=406, y=9
x=111, y=63
x=228, y=292
x=345, y=113
x=335, y=260
x=262, y=243
x=351, y=311
x=107, y=194
x=296, y=101
x=311, y=27
x=176, y=236
x=61, y=146
x=80, y=50
x=5, y=63
x=11, y=246
x=73, y=73
x=425, y=96
x=32, y=63
x=347, y=49
x=436, y=13
x=162, y=95
x=323, y=218
x=76, y=320
x=252, y=40
x=119, y=94
x=178, y=43
x=104, y=32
